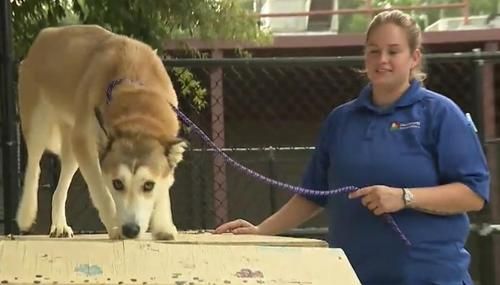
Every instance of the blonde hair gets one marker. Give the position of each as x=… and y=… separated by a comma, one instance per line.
x=411, y=28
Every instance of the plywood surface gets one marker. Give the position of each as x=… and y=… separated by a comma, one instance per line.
x=90, y=260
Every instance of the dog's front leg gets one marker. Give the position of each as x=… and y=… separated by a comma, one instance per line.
x=87, y=157
x=162, y=225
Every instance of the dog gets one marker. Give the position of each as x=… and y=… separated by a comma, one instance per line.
x=101, y=102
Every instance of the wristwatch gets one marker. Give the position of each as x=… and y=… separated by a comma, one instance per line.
x=407, y=197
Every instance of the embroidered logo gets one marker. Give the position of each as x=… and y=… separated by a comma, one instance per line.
x=396, y=126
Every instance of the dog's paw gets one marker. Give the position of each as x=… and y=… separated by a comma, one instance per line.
x=61, y=231
x=169, y=234
x=25, y=217
x=114, y=233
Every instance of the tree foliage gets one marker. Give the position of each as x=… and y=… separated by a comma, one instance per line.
x=151, y=21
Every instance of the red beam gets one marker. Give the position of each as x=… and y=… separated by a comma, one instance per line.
x=462, y=5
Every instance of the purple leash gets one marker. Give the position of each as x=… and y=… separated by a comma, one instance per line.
x=298, y=190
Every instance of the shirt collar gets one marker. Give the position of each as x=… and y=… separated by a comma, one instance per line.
x=409, y=97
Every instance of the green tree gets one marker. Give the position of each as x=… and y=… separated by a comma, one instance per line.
x=152, y=21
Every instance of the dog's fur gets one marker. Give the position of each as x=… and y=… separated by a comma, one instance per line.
x=62, y=93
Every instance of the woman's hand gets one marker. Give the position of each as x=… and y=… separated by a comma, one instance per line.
x=238, y=226
x=380, y=199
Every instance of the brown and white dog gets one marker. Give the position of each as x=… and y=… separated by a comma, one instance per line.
x=101, y=102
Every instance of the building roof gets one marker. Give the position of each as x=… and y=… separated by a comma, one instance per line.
x=343, y=44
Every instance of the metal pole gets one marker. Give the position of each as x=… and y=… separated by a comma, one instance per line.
x=478, y=102
x=10, y=134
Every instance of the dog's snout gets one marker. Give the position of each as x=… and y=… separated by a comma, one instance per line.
x=130, y=230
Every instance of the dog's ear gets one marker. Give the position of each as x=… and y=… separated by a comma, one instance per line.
x=174, y=150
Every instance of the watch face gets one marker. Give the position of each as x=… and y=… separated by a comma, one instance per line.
x=407, y=196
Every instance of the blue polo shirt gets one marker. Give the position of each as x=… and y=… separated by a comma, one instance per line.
x=423, y=140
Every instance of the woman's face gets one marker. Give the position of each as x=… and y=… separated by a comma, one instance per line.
x=388, y=59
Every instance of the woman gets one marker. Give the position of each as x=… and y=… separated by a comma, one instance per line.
x=411, y=152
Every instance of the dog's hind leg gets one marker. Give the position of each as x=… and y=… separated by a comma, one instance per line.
x=26, y=212
x=37, y=130
x=69, y=166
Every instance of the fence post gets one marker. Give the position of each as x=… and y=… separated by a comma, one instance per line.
x=219, y=166
x=486, y=269
x=485, y=110
x=10, y=133
x=489, y=117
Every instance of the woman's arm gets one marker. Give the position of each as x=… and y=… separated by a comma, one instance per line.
x=447, y=199
x=295, y=212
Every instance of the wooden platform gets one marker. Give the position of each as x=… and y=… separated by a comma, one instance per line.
x=194, y=258
x=199, y=237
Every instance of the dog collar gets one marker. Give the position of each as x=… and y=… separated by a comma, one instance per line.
x=114, y=83
x=111, y=86
x=98, y=114
x=109, y=96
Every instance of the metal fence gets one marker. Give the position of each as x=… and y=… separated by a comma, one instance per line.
x=270, y=111
x=266, y=113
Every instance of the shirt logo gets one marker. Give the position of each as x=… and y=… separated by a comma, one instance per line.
x=396, y=126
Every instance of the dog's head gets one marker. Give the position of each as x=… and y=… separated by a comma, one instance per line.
x=138, y=171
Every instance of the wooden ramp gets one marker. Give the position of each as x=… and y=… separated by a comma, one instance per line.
x=192, y=259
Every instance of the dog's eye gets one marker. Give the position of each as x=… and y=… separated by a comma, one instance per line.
x=118, y=184
x=148, y=186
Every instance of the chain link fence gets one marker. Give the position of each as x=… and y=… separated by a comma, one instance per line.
x=266, y=113
x=269, y=116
